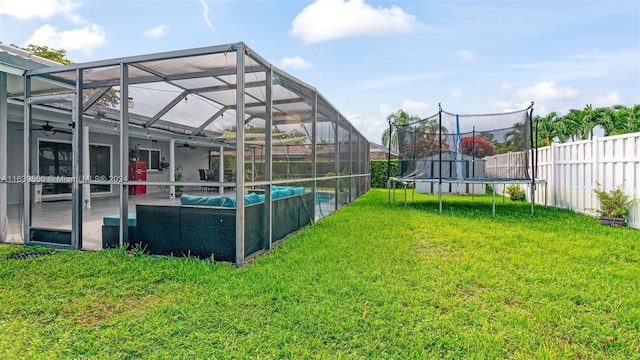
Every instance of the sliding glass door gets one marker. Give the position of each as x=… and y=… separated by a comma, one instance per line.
x=55, y=159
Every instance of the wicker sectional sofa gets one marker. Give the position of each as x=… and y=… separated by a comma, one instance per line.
x=206, y=226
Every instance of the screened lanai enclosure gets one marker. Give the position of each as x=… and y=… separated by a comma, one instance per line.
x=210, y=152
x=462, y=153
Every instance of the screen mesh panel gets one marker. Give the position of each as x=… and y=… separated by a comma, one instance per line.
x=451, y=146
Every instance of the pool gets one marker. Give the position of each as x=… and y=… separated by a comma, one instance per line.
x=323, y=197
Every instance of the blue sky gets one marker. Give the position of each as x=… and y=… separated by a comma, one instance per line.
x=370, y=58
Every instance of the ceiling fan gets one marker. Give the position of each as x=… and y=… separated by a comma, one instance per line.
x=50, y=130
x=187, y=146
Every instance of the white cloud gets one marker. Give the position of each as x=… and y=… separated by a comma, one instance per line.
x=205, y=14
x=588, y=54
x=547, y=91
x=295, y=62
x=606, y=100
x=157, y=32
x=372, y=124
x=501, y=104
x=466, y=55
x=27, y=9
x=333, y=19
x=399, y=80
x=415, y=107
x=506, y=86
x=84, y=39
x=456, y=94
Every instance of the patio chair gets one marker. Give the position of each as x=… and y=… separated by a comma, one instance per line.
x=204, y=177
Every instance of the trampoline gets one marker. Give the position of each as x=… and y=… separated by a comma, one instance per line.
x=462, y=153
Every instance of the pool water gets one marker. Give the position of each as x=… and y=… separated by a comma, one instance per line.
x=323, y=197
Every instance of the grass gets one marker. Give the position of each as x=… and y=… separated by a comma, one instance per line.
x=372, y=281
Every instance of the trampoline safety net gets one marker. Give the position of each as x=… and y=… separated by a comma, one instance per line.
x=466, y=147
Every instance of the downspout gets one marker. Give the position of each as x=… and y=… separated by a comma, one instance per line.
x=4, y=220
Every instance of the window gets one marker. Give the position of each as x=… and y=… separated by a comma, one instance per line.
x=55, y=159
x=151, y=157
x=100, y=165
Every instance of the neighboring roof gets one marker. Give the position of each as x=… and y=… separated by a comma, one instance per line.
x=16, y=62
x=23, y=59
x=375, y=148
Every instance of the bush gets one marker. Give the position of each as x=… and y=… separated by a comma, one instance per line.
x=379, y=172
x=614, y=203
x=516, y=193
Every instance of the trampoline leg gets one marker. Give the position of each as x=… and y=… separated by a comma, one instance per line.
x=389, y=191
x=440, y=196
x=405, y=195
x=394, y=191
x=493, y=198
x=533, y=199
x=413, y=191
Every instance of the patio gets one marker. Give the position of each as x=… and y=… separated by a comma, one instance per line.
x=221, y=108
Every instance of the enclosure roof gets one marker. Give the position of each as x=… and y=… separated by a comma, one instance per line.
x=195, y=89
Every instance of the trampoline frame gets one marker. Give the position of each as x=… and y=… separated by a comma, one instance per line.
x=532, y=143
x=411, y=182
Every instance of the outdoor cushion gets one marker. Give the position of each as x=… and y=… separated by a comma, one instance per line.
x=279, y=193
x=201, y=200
x=114, y=220
x=252, y=198
x=229, y=201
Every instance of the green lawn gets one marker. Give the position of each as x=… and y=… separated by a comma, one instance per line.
x=371, y=281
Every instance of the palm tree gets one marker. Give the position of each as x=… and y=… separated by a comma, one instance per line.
x=571, y=123
x=625, y=120
x=432, y=125
x=546, y=128
x=399, y=118
x=514, y=140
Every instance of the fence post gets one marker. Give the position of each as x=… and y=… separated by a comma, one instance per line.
x=595, y=172
x=553, y=173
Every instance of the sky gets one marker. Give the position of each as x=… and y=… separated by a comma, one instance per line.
x=371, y=58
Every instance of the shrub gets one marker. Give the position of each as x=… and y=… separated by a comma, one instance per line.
x=379, y=172
x=614, y=203
x=516, y=193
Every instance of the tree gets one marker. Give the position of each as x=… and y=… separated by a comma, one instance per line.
x=426, y=143
x=432, y=125
x=514, y=140
x=57, y=55
x=108, y=99
x=624, y=119
x=477, y=147
x=547, y=128
x=398, y=119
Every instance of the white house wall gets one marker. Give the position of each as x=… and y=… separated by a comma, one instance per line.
x=187, y=158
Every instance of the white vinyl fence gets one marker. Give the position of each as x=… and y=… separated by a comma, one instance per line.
x=572, y=171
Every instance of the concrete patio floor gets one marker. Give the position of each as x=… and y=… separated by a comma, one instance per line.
x=57, y=214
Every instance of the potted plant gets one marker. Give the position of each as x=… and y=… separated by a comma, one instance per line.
x=614, y=206
x=178, y=176
x=163, y=164
x=516, y=193
x=134, y=153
